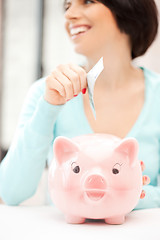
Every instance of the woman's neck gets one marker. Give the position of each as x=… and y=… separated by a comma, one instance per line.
x=118, y=71
x=118, y=68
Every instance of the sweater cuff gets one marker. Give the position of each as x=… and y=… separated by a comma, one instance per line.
x=152, y=198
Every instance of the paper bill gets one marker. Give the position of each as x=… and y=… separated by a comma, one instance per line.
x=92, y=76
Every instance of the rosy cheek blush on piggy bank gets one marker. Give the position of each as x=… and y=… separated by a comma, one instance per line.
x=97, y=176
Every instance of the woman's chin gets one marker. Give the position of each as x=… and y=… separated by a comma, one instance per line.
x=81, y=51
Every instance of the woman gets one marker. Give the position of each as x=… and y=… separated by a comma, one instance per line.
x=126, y=98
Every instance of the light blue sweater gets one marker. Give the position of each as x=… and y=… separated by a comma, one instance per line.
x=40, y=123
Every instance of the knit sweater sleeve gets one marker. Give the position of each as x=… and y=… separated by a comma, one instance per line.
x=152, y=198
x=21, y=169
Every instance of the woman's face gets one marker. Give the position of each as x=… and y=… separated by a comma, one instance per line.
x=90, y=25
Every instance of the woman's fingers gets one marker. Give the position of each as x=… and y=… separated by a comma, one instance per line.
x=143, y=194
x=77, y=77
x=142, y=165
x=146, y=180
x=81, y=73
x=64, y=83
x=72, y=86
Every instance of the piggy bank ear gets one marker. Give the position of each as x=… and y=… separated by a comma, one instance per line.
x=65, y=149
x=129, y=147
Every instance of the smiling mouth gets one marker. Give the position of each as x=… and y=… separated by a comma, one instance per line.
x=74, y=33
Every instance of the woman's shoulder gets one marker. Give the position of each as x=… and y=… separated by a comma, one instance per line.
x=152, y=76
x=152, y=79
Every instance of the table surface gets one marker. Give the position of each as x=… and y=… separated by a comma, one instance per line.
x=46, y=222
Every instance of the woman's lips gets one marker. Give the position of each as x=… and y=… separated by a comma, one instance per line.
x=77, y=31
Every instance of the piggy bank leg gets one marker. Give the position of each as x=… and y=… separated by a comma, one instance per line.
x=115, y=220
x=74, y=219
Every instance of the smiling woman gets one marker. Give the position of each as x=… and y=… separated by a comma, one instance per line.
x=90, y=26
x=126, y=97
x=139, y=20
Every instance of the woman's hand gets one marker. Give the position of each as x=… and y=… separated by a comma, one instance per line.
x=146, y=180
x=64, y=83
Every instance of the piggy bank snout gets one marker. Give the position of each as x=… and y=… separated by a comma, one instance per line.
x=95, y=182
x=95, y=187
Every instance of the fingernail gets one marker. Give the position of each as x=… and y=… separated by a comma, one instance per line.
x=75, y=95
x=147, y=180
x=68, y=100
x=142, y=194
x=84, y=90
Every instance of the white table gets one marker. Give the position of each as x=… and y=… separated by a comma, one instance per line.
x=46, y=222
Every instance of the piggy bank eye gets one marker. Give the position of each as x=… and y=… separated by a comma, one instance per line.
x=75, y=168
x=116, y=168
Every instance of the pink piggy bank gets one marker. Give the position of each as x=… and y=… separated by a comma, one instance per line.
x=98, y=176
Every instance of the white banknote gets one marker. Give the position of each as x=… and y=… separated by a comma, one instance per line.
x=92, y=76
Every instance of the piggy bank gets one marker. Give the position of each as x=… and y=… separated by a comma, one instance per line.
x=97, y=176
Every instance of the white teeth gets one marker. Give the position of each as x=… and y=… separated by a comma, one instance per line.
x=77, y=30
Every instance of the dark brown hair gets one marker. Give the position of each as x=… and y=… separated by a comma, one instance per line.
x=138, y=19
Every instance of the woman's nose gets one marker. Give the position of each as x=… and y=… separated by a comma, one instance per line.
x=73, y=12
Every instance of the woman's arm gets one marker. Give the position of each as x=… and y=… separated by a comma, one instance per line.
x=21, y=169
x=152, y=198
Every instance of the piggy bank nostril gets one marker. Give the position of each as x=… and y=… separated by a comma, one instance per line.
x=95, y=181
